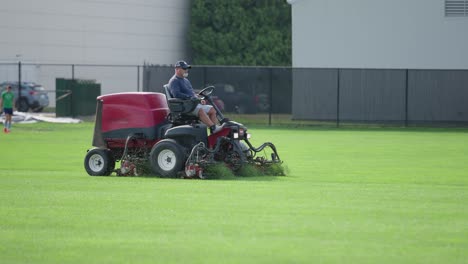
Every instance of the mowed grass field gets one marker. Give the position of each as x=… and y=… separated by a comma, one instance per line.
x=351, y=196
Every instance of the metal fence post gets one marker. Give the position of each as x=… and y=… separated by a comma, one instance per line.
x=338, y=98
x=19, y=81
x=204, y=76
x=271, y=96
x=138, y=78
x=406, y=99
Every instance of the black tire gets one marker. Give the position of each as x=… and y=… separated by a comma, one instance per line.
x=99, y=162
x=111, y=166
x=167, y=158
x=23, y=105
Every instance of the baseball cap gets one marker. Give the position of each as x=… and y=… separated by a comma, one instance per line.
x=183, y=65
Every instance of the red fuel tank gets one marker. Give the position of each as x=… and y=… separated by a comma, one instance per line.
x=120, y=114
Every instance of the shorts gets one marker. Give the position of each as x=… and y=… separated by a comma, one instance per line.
x=8, y=111
x=205, y=108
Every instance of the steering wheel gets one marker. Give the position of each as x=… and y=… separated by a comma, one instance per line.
x=205, y=92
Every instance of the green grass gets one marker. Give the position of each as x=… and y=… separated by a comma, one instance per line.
x=351, y=196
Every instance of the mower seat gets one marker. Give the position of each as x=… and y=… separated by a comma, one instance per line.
x=180, y=108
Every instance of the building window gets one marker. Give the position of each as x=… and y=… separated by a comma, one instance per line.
x=456, y=8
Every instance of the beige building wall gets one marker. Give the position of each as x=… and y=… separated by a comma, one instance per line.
x=94, y=31
x=413, y=34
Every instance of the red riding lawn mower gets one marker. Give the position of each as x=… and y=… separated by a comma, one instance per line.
x=137, y=127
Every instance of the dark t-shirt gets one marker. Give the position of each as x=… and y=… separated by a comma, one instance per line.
x=181, y=88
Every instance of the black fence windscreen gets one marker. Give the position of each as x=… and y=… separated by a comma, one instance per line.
x=243, y=90
x=283, y=95
x=381, y=96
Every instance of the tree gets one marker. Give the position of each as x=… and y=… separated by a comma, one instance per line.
x=241, y=32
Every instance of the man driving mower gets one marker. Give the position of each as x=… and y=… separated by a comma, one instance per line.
x=180, y=87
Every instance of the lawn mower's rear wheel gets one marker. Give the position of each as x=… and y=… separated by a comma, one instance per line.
x=167, y=158
x=99, y=162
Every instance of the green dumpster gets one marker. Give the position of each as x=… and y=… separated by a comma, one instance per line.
x=76, y=97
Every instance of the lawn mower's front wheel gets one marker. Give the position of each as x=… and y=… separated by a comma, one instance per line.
x=99, y=162
x=167, y=158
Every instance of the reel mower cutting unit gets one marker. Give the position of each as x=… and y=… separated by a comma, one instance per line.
x=144, y=130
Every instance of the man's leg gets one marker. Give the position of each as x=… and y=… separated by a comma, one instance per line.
x=9, y=121
x=204, y=118
x=212, y=115
x=5, y=123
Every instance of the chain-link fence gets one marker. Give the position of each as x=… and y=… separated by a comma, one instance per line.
x=283, y=95
x=382, y=96
x=275, y=95
x=245, y=87
x=112, y=78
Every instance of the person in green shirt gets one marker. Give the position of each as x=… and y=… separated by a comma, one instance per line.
x=6, y=104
